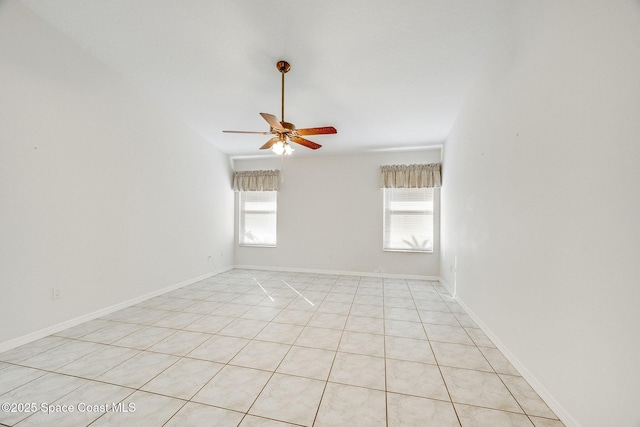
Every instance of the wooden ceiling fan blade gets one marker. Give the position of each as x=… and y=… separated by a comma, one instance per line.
x=270, y=143
x=305, y=142
x=246, y=131
x=317, y=131
x=273, y=121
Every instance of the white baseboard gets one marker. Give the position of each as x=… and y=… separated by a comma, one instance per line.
x=549, y=399
x=448, y=287
x=338, y=272
x=49, y=330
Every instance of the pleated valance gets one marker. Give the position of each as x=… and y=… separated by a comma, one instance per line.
x=256, y=180
x=410, y=176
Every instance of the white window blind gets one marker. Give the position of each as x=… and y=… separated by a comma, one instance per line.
x=408, y=219
x=257, y=218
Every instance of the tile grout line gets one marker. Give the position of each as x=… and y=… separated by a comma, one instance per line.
x=384, y=331
x=455, y=411
x=326, y=383
x=276, y=368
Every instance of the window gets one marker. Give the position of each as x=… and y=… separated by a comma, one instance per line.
x=408, y=219
x=257, y=218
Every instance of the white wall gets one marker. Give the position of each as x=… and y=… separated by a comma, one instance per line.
x=540, y=205
x=103, y=194
x=330, y=215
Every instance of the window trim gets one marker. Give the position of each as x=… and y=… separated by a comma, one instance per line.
x=241, y=220
x=387, y=213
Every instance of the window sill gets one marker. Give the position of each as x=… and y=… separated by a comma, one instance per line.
x=409, y=251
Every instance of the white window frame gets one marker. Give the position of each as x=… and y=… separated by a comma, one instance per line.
x=269, y=222
x=399, y=235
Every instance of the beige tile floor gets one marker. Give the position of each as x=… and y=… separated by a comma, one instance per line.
x=262, y=348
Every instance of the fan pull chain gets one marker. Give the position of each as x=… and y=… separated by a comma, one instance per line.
x=282, y=169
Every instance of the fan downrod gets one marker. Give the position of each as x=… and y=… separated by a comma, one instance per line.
x=283, y=67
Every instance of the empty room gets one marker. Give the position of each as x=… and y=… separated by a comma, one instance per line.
x=296, y=213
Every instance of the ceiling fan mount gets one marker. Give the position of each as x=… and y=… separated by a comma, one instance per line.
x=283, y=66
x=286, y=132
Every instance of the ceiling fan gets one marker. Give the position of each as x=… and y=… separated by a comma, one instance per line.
x=286, y=132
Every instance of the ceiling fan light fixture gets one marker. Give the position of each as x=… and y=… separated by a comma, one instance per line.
x=278, y=148
x=288, y=149
x=281, y=148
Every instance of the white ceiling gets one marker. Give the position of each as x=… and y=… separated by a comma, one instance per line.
x=387, y=75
